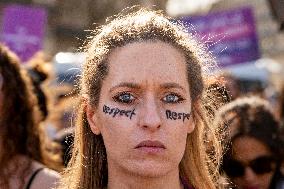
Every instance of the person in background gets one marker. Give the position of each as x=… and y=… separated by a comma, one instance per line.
x=65, y=139
x=231, y=84
x=20, y=134
x=142, y=122
x=254, y=146
x=217, y=96
x=40, y=73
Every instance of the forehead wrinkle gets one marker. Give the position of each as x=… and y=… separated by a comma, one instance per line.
x=145, y=67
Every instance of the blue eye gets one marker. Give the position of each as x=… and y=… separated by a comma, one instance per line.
x=172, y=98
x=124, y=97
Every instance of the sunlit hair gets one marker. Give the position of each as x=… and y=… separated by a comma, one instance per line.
x=251, y=116
x=19, y=123
x=88, y=166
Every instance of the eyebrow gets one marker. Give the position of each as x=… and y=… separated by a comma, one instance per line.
x=137, y=86
x=172, y=85
x=126, y=84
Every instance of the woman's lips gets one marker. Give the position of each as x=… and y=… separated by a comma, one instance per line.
x=150, y=146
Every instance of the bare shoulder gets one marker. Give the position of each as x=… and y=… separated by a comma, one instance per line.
x=45, y=179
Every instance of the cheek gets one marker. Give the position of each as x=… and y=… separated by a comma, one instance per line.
x=115, y=131
x=263, y=180
x=266, y=179
x=178, y=133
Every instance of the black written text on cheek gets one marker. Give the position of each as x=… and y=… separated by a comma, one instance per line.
x=175, y=116
x=118, y=112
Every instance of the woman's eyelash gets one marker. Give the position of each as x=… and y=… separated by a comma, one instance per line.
x=124, y=97
x=173, y=98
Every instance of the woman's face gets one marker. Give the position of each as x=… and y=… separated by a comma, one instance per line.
x=144, y=111
x=255, y=157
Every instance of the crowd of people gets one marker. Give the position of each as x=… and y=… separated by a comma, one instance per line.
x=146, y=113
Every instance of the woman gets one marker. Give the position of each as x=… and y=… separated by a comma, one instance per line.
x=253, y=157
x=20, y=155
x=142, y=122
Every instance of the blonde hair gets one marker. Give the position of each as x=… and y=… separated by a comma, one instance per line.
x=200, y=163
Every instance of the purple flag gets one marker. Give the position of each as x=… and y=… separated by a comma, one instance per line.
x=23, y=29
x=230, y=35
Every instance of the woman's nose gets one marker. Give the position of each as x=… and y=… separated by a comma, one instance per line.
x=249, y=175
x=150, y=117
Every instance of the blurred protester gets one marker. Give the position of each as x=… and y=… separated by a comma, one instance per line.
x=65, y=138
x=60, y=133
x=63, y=116
x=231, y=83
x=255, y=149
x=21, y=154
x=39, y=70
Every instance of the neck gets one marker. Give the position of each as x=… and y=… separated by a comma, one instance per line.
x=127, y=180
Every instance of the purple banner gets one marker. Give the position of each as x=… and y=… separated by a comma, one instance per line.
x=23, y=29
x=230, y=35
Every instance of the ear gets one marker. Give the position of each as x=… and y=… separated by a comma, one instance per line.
x=191, y=124
x=192, y=121
x=92, y=119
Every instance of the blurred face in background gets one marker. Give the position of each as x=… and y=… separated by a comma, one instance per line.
x=252, y=165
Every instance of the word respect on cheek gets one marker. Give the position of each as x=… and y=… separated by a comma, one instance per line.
x=174, y=115
x=116, y=111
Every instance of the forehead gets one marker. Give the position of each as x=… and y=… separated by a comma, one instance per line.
x=249, y=148
x=147, y=61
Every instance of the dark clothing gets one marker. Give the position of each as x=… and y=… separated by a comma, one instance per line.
x=32, y=177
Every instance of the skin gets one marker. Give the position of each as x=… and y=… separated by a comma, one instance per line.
x=150, y=72
x=246, y=149
x=45, y=179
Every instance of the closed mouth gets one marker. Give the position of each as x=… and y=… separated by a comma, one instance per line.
x=150, y=144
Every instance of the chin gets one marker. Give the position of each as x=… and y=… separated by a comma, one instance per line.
x=150, y=168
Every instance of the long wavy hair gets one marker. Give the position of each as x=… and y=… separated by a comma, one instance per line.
x=88, y=166
x=19, y=119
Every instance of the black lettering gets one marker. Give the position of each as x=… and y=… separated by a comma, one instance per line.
x=116, y=111
x=111, y=111
x=127, y=113
x=174, y=115
x=121, y=112
x=104, y=109
x=169, y=114
x=132, y=113
x=185, y=116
